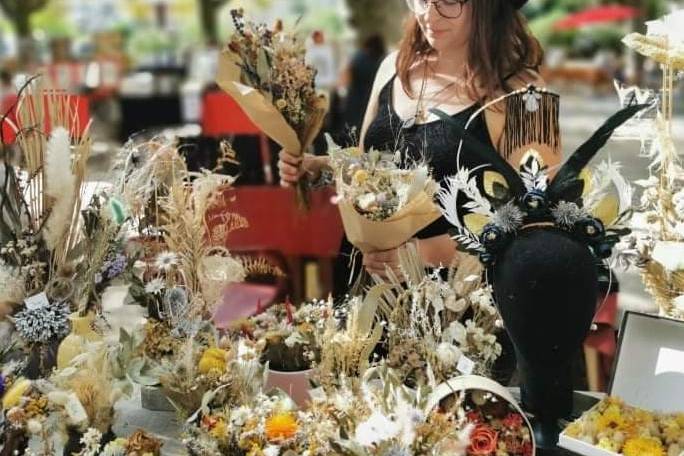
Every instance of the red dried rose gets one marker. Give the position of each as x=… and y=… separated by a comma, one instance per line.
x=474, y=416
x=527, y=449
x=483, y=441
x=513, y=421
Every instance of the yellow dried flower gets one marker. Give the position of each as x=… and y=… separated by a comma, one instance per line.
x=574, y=429
x=608, y=444
x=220, y=430
x=643, y=446
x=281, y=426
x=213, y=359
x=13, y=396
x=360, y=177
x=611, y=419
x=36, y=406
x=281, y=104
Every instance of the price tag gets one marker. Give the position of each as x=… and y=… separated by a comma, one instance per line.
x=37, y=301
x=465, y=365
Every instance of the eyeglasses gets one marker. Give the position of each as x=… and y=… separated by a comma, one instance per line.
x=449, y=9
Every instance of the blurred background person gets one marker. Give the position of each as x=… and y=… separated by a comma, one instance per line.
x=356, y=82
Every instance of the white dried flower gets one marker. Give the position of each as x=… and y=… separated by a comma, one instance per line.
x=59, y=186
x=155, y=286
x=34, y=426
x=448, y=354
x=165, y=261
x=566, y=214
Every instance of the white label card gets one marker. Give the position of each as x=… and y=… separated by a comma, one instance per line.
x=465, y=365
x=37, y=301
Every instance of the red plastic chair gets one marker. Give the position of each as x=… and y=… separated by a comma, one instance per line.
x=79, y=106
x=222, y=116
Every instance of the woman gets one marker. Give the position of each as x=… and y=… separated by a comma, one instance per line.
x=455, y=56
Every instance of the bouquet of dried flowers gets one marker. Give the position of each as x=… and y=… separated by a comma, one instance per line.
x=348, y=340
x=287, y=335
x=206, y=372
x=40, y=194
x=382, y=205
x=617, y=427
x=381, y=416
x=268, y=425
x=265, y=71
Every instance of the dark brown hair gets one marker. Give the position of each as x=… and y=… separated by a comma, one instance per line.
x=500, y=46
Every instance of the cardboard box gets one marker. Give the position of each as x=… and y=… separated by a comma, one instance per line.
x=648, y=372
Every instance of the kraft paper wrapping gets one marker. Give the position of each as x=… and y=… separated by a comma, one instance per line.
x=370, y=236
x=263, y=113
x=267, y=117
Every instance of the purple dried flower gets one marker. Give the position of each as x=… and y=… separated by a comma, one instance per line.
x=115, y=266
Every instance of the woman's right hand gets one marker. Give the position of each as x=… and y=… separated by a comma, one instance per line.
x=292, y=167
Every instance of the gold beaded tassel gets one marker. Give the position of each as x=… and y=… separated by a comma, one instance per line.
x=531, y=118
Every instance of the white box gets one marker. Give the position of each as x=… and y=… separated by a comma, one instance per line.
x=648, y=372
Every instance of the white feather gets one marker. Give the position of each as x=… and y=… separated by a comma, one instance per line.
x=606, y=175
x=60, y=185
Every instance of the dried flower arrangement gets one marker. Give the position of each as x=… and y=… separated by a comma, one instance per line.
x=41, y=195
x=45, y=416
x=438, y=328
x=287, y=336
x=265, y=71
x=657, y=252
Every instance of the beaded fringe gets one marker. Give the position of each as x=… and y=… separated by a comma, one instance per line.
x=525, y=127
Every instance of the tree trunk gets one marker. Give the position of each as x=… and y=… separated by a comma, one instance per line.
x=208, y=10
x=19, y=12
x=371, y=17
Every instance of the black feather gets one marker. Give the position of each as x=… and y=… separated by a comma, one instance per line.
x=486, y=153
x=572, y=168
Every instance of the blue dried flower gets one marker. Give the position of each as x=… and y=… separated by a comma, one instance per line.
x=591, y=229
x=2, y=385
x=43, y=324
x=494, y=238
x=534, y=201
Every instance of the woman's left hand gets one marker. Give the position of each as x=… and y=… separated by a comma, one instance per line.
x=378, y=262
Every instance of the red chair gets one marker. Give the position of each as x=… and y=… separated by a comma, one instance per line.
x=222, y=116
x=79, y=111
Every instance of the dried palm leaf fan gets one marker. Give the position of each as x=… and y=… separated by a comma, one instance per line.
x=541, y=244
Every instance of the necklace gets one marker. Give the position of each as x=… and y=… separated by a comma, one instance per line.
x=421, y=114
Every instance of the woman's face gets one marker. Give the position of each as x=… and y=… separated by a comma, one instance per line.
x=441, y=32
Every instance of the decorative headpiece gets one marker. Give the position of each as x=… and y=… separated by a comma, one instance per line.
x=573, y=200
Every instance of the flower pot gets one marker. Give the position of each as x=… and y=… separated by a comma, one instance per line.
x=74, y=344
x=295, y=384
x=153, y=398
